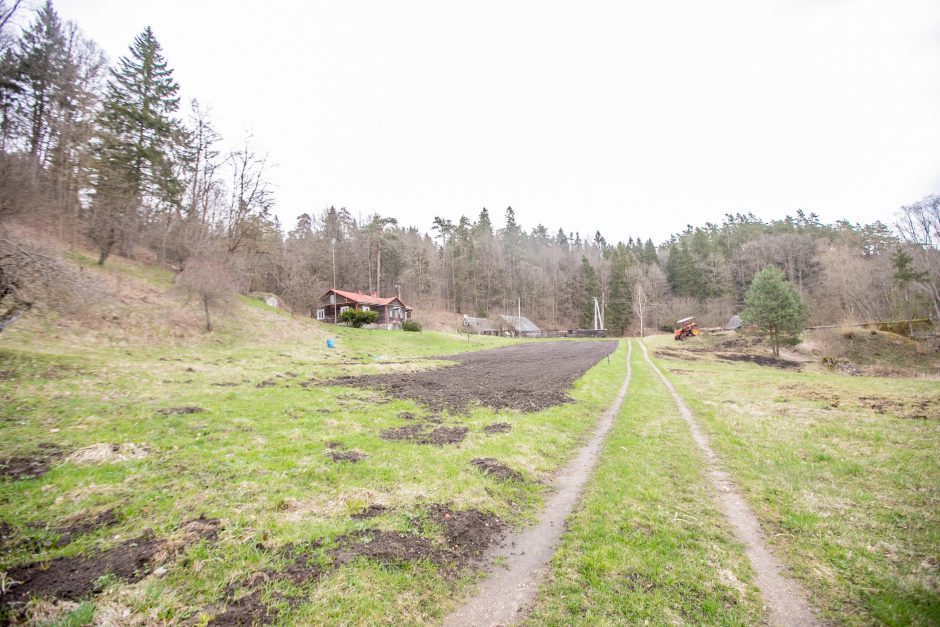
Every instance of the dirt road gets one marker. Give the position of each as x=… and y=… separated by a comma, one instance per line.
x=524, y=556
x=526, y=377
x=785, y=598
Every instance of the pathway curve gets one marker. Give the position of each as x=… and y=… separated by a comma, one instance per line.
x=524, y=556
x=784, y=598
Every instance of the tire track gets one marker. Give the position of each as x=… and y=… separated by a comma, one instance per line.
x=784, y=598
x=512, y=586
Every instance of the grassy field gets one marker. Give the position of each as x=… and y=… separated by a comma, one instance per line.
x=843, y=473
x=647, y=545
x=257, y=456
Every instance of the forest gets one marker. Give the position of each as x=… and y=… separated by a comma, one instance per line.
x=104, y=156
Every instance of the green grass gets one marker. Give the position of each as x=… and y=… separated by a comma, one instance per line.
x=647, y=545
x=256, y=457
x=850, y=498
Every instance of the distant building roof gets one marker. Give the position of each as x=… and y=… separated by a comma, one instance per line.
x=366, y=299
x=520, y=324
x=480, y=325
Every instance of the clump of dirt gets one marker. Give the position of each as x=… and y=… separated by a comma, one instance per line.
x=406, y=415
x=228, y=384
x=468, y=532
x=334, y=444
x=31, y=466
x=370, y=512
x=186, y=409
x=86, y=523
x=917, y=408
x=74, y=578
x=247, y=610
x=492, y=467
x=498, y=427
x=420, y=434
x=347, y=456
x=106, y=453
x=383, y=546
x=761, y=360
x=813, y=392
x=267, y=383
x=525, y=377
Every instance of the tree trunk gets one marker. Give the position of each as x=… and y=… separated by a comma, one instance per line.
x=205, y=305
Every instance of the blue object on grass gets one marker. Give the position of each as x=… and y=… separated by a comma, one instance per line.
x=329, y=342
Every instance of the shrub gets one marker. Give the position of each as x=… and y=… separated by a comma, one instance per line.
x=357, y=318
x=411, y=325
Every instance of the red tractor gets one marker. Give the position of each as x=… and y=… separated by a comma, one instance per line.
x=688, y=327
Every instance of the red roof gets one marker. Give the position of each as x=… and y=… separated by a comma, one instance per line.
x=367, y=299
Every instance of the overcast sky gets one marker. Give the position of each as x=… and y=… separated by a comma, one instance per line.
x=635, y=118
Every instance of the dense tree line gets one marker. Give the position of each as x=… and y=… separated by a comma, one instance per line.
x=106, y=155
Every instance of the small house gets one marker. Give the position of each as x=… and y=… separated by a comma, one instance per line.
x=518, y=326
x=392, y=311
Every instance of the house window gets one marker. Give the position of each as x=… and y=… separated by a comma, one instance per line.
x=342, y=309
x=396, y=312
x=365, y=308
x=321, y=314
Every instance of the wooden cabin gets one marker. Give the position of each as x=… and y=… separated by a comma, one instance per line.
x=392, y=311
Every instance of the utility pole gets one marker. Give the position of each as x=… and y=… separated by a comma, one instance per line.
x=333, y=251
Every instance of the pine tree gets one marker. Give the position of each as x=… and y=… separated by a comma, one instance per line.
x=42, y=70
x=773, y=304
x=137, y=144
x=619, y=305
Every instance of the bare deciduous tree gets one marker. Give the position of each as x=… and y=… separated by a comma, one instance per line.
x=210, y=281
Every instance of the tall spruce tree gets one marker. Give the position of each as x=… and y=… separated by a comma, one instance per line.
x=589, y=291
x=138, y=143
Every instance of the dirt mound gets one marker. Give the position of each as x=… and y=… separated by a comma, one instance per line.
x=187, y=409
x=86, y=523
x=526, y=377
x=74, y=578
x=420, y=434
x=917, y=408
x=31, y=466
x=498, y=427
x=383, y=546
x=760, y=360
x=369, y=512
x=348, y=456
x=492, y=467
x=107, y=453
x=468, y=532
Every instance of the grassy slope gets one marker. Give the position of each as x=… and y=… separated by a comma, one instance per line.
x=647, y=546
x=850, y=498
x=256, y=458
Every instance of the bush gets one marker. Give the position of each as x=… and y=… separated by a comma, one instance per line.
x=411, y=325
x=357, y=318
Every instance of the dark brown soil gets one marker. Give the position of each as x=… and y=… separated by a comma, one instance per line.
x=188, y=409
x=370, y=512
x=76, y=577
x=761, y=360
x=406, y=415
x=420, y=434
x=229, y=384
x=468, y=532
x=348, y=456
x=33, y=465
x=248, y=610
x=86, y=524
x=495, y=469
x=498, y=427
x=266, y=384
x=526, y=377
x=73, y=578
x=383, y=546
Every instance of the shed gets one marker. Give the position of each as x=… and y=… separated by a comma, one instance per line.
x=480, y=326
x=734, y=323
x=518, y=326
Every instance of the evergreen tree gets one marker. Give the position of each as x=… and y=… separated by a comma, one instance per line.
x=138, y=142
x=589, y=291
x=42, y=70
x=617, y=314
x=773, y=304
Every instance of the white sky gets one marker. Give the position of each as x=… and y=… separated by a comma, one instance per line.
x=635, y=118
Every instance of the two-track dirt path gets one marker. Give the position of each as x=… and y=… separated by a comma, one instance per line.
x=784, y=598
x=524, y=556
